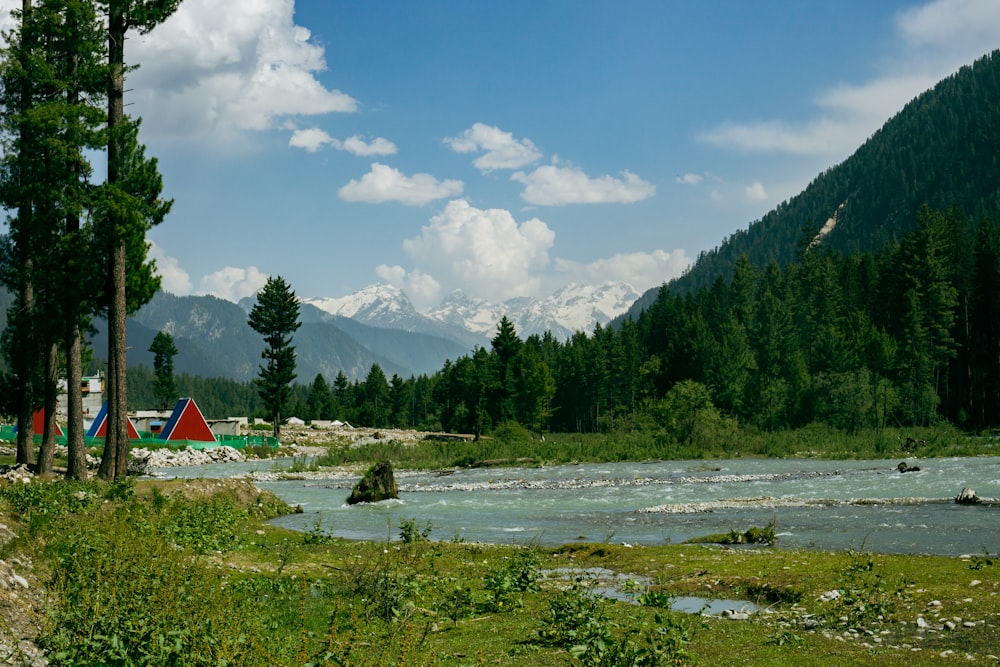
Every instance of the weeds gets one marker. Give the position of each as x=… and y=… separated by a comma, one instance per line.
x=580, y=623
x=868, y=596
x=505, y=584
x=410, y=533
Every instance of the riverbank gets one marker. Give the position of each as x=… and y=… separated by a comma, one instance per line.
x=311, y=597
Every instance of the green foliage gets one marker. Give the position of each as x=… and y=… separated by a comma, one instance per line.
x=505, y=584
x=581, y=623
x=753, y=535
x=276, y=317
x=978, y=562
x=868, y=595
x=165, y=384
x=409, y=532
x=213, y=524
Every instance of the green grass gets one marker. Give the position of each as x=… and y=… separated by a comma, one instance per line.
x=139, y=577
x=516, y=446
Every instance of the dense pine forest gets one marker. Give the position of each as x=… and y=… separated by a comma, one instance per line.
x=904, y=336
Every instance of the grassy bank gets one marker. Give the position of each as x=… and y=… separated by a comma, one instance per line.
x=190, y=574
x=511, y=444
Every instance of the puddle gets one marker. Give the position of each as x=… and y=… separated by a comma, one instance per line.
x=626, y=588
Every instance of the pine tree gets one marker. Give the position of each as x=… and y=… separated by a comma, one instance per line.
x=164, y=384
x=276, y=317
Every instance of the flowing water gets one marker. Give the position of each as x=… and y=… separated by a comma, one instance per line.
x=815, y=504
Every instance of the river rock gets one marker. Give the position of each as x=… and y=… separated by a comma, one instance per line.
x=967, y=497
x=379, y=483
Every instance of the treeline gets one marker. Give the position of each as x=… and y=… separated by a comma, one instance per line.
x=902, y=337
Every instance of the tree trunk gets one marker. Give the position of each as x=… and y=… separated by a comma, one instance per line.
x=115, y=459
x=76, y=465
x=24, y=367
x=24, y=364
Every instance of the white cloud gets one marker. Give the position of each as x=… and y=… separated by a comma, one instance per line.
x=935, y=39
x=173, y=278
x=690, y=179
x=963, y=27
x=482, y=251
x=642, y=270
x=755, y=192
x=358, y=146
x=384, y=183
x=552, y=185
x=313, y=139
x=217, y=67
x=232, y=283
x=421, y=287
x=503, y=151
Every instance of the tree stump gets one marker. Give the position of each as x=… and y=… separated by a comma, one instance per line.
x=967, y=497
x=378, y=484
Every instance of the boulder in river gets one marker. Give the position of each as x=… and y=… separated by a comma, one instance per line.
x=379, y=483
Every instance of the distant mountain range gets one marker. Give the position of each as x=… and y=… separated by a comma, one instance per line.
x=377, y=324
x=573, y=308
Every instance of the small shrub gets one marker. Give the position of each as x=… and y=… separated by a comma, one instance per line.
x=654, y=597
x=505, y=584
x=409, y=533
x=868, y=596
x=317, y=535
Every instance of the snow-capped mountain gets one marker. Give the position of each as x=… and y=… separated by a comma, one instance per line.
x=387, y=307
x=382, y=305
x=573, y=308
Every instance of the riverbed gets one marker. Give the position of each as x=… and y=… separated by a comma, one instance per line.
x=814, y=503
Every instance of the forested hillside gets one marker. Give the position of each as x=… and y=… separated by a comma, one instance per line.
x=941, y=150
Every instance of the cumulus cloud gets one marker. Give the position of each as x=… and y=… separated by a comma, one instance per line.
x=642, y=270
x=482, y=251
x=314, y=139
x=935, y=39
x=755, y=191
x=233, y=283
x=422, y=288
x=311, y=139
x=502, y=150
x=383, y=183
x=553, y=185
x=690, y=179
x=173, y=278
x=216, y=67
x=358, y=146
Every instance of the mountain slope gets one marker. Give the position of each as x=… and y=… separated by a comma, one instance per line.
x=214, y=340
x=940, y=150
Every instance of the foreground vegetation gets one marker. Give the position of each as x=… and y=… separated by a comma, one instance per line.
x=188, y=573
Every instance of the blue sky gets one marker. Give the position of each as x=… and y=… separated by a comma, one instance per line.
x=508, y=148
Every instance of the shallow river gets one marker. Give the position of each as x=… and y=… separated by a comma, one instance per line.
x=814, y=503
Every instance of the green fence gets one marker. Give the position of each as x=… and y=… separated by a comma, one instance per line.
x=147, y=439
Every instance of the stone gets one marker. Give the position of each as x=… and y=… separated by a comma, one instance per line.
x=379, y=483
x=967, y=497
